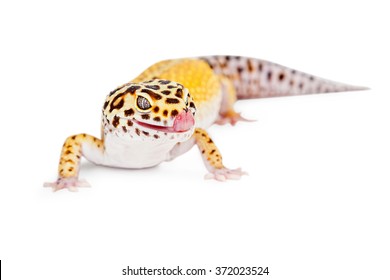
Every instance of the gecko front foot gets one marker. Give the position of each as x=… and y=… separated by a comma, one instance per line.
x=70, y=183
x=222, y=174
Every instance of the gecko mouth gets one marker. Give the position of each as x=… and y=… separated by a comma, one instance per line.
x=168, y=129
x=183, y=122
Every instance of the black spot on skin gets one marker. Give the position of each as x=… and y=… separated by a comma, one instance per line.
x=145, y=133
x=171, y=87
x=105, y=105
x=212, y=152
x=260, y=67
x=165, y=113
x=172, y=101
x=156, y=136
x=117, y=105
x=311, y=78
x=111, y=93
x=240, y=69
x=281, y=76
x=137, y=131
x=157, y=119
x=124, y=128
x=300, y=85
x=70, y=169
x=129, y=112
x=210, y=141
x=129, y=123
x=269, y=76
x=145, y=117
x=156, y=109
x=174, y=113
x=155, y=87
x=227, y=57
x=192, y=105
x=132, y=89
x=115, y=121
x=249, y=65
x=166, y=92
x=179, y=93
x=164, y=82
x=203, y=151
x=68, y=152
x=293, y=71
x=152, y=94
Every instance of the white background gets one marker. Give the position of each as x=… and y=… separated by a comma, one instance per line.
x=316, y=202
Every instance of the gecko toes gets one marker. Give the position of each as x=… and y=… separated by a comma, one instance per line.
x=232, y=118
x=71, y=183
x=223, y=174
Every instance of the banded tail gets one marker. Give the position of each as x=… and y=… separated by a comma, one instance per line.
x=255, y=78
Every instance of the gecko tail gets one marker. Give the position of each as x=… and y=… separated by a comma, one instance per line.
x=256, y=78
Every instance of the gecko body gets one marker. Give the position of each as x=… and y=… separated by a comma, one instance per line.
x=167, y=109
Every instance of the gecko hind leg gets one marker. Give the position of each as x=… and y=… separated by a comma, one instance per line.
x=227, y=113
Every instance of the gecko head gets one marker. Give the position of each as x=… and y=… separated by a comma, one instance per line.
x=155, y=110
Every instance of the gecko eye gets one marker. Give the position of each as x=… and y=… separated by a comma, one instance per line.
x=143, y=104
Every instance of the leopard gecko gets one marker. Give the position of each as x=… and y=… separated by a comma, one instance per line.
x=167, y=109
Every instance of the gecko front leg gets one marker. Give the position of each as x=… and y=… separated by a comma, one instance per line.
x=213, y=159
x=73, y=149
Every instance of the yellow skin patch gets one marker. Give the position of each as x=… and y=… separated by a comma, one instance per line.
x=163, y=112
x=197, y=76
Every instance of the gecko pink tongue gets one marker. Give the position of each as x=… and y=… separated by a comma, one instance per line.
x=183, y=122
